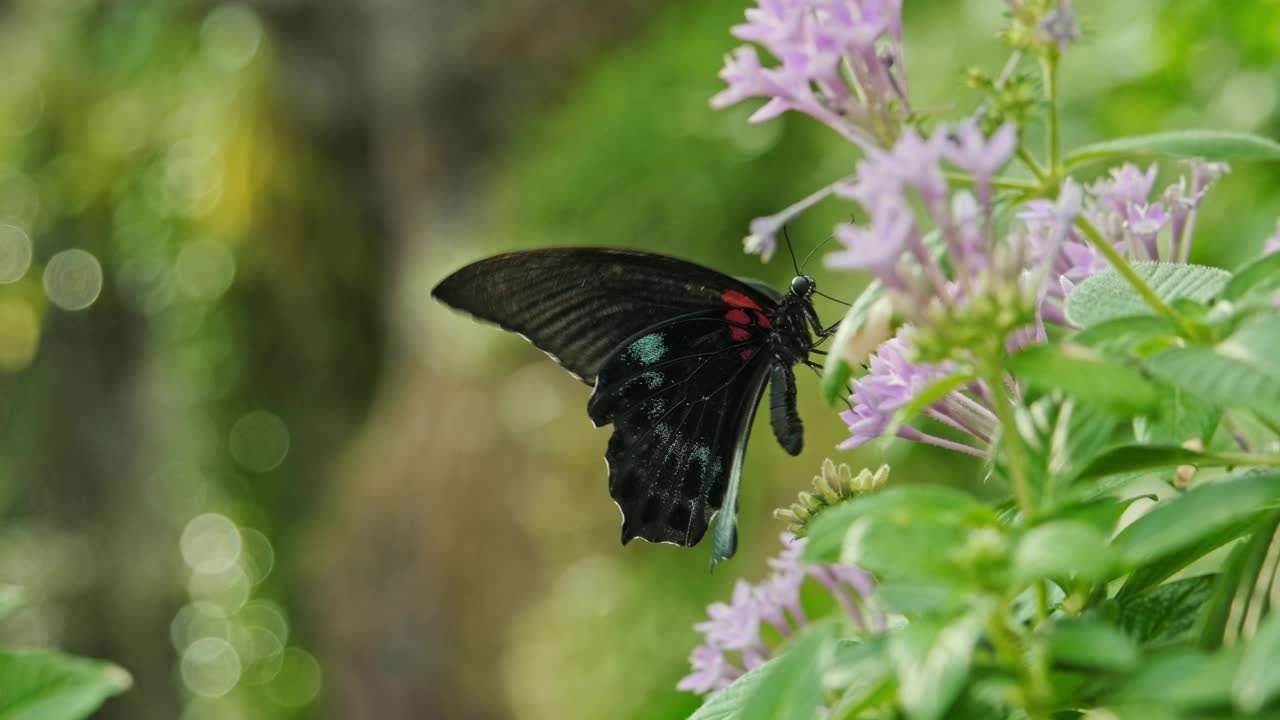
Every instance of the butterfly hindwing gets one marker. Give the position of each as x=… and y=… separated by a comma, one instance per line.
x=681, y=398
x=580, y=304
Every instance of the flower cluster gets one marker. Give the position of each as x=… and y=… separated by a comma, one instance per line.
x=733, y=637
x=892, y=382
x=1121, y=207
x=840, y=61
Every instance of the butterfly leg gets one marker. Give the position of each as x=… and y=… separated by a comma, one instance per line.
x=817, y=370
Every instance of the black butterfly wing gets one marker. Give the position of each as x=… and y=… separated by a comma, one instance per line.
x=681, y=397
x=580, y=304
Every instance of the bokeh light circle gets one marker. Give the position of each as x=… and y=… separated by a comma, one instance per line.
x=73, y=279
x=259, y=441
x=204, y=270
x=15, y=253
x=230, y=36
x=210, y=543
x=298, y=681
x=258, y=557
x=210, y=667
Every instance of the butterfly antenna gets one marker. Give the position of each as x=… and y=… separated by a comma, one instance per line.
x=817, y=292
x=814, y=250
x=790, y=249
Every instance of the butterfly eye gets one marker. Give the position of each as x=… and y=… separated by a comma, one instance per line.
x=803, y=285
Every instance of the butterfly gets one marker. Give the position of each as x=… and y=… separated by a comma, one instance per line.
x=678, y=356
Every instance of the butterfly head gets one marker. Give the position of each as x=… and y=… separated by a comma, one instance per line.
x=803, y=286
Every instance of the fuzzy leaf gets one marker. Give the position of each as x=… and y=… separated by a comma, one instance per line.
x=1209, y=144
x=37, y=684
x=1108, y=296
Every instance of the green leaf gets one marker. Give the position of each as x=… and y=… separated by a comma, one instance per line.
x=932, y=661
x=1242, y=592
x=1062, y=549
x=1091, y=644
x=1086, y=374
x=1241, y=371
x=827, y=532
x=792, y=687
x=1181, y=416
x=861, y=669
x=1060, y=436
x=1108, y=296
x=1209, y=144
x=1198, y=514
x=1183, y=678
x=729, y=702
x=932, y=393
x=902, y=539
x=38, y=684
x=1258, y=277
x=1165, y=613
x=1160, y=569
x=1257, y=681
x=1132, y=458
x=1127, y=334
x=837, y=370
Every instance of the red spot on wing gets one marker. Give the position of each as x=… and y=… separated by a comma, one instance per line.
x=738, y=316
x=737, y=299
x=762, y=320
x=747, y=352
x=739, y=334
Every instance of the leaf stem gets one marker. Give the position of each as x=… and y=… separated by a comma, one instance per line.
x=1126, y=270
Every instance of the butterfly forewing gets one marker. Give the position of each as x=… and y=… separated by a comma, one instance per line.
x=580, y=304
x=681, y=397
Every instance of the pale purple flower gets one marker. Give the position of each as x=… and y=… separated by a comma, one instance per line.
x=734, y=626
x=815, y=42
x=711, y=671
x=979, y=156
x=1127, y=185
x=879, y=247
x=891, y=234
x=732, y=640
x=1144, y=222
x=891, y=383
x=1060, y=25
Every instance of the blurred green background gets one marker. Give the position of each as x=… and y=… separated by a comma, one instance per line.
x=245, y=456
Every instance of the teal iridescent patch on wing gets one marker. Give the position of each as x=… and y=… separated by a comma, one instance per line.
x=648, y=350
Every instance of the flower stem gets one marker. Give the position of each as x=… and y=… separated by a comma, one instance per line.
x=1034, y=167
x=1049, y=69
x=1002, y=183
x=1126, y=270
x=1012, y=443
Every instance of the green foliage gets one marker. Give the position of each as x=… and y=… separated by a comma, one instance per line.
x=1210, y=144
x=1108, y=296
x=41, y=685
